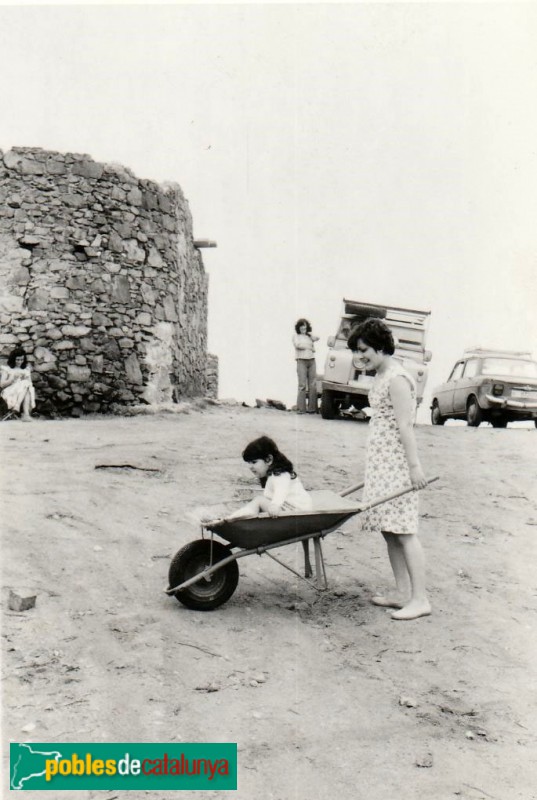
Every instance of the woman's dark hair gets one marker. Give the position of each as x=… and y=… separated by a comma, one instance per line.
x=374, y=333
x=17, y=353
x=303, y=322
x=264, y=447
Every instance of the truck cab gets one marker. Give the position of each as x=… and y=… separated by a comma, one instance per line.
x=342, y=385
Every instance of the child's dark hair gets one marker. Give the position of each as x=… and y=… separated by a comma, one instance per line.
x=374, y=333
x=18, y=352
x=264, y=447
x=301, y=322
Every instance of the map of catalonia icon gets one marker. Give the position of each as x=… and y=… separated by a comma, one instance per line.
x=28, y=763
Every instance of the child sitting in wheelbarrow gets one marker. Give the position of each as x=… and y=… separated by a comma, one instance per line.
x=282, y=488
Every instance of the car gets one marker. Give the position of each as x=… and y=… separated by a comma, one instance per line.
x=496, y=386
x=344, y=385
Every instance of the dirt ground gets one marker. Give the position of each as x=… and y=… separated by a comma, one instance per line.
x=308, y=684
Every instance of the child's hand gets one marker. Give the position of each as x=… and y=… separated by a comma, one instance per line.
x=208, y=517
x=274, y=510
x=200, y=515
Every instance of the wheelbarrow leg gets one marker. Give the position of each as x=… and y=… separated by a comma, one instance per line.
x=307, y=564
x=320, y=572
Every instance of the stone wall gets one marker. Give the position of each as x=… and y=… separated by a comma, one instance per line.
x=100, y=282
x=211, y=375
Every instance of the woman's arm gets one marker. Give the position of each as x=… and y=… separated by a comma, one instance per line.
x=403, y=408
x=300, y=341
x=6, y=378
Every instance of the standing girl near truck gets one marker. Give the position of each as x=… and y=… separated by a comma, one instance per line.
x=392, y=464
x=303, y=341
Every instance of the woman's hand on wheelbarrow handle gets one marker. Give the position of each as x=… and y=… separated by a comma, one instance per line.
x=422, y=484
x=417, y=477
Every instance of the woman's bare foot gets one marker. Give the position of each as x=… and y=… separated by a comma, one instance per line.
x=26, y=418
x=388, y=602
x=413, y=610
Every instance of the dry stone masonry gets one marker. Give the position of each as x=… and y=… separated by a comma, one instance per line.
x=211, y=375
x=101, y=283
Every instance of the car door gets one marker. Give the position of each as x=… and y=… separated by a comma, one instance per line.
x=465, y=385
x=445, y=393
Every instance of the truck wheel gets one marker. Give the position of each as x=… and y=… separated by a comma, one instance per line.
x=328, y=405
x=207, y=593
x=499, y=422
x=436, y=416
x=474, y=417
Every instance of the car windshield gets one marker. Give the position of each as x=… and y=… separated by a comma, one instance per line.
x=509, y=366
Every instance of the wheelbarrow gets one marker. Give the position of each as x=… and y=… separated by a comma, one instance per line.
x=204, y=574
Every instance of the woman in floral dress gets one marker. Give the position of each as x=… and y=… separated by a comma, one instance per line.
x=393, y=464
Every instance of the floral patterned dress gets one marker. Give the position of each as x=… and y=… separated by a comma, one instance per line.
x=386, y=465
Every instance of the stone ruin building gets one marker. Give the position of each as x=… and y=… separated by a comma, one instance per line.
x=101, y=283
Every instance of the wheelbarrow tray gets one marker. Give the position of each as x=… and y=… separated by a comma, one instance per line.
x=329, y=512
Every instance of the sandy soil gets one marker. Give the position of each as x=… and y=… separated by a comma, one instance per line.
x=309, y=684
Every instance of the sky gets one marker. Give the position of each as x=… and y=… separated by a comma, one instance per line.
x=380, y=152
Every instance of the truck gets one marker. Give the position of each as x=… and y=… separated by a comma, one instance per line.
x=343, y=385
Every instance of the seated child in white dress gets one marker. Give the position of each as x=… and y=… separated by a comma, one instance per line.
x=282, y=489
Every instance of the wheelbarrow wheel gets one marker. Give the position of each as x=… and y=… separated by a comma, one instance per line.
x=210, y=592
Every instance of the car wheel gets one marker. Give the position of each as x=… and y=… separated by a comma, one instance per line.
x=328, y=405
x=499, y=422
x=436, y=416
x=474, y=416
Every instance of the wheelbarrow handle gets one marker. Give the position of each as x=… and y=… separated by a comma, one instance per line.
x=392, y=496
x=352, y=489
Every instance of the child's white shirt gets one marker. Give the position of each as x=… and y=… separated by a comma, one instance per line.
x=282, y=489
